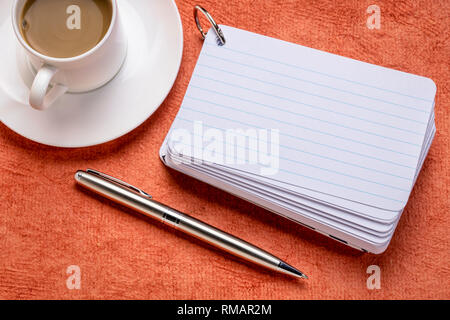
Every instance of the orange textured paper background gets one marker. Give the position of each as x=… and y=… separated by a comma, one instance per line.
x=47, y=223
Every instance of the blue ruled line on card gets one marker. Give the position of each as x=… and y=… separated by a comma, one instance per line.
x=319, y=180
x=317, y=72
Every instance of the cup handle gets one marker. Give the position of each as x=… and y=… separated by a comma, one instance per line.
x=40, y=99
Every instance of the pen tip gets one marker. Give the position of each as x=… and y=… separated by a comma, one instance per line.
x=291, y=270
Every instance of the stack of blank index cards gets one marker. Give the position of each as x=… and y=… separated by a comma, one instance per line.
x=330, y=142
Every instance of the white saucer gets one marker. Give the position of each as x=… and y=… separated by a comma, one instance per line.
x=155, y=46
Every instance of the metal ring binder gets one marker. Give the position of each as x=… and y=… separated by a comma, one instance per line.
x=220, y=37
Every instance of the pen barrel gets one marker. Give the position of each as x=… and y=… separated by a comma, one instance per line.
x=221, y=239
x=178, y=220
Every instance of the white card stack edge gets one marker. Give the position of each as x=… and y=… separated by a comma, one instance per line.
x=352, y=231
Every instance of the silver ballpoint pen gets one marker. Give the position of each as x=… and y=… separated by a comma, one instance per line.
x=134, y=198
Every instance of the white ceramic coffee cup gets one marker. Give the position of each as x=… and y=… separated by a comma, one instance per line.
x=88, y=71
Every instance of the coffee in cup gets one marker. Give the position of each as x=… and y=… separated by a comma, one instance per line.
x=65, y=28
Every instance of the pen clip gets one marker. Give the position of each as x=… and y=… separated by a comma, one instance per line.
x=119, y=182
